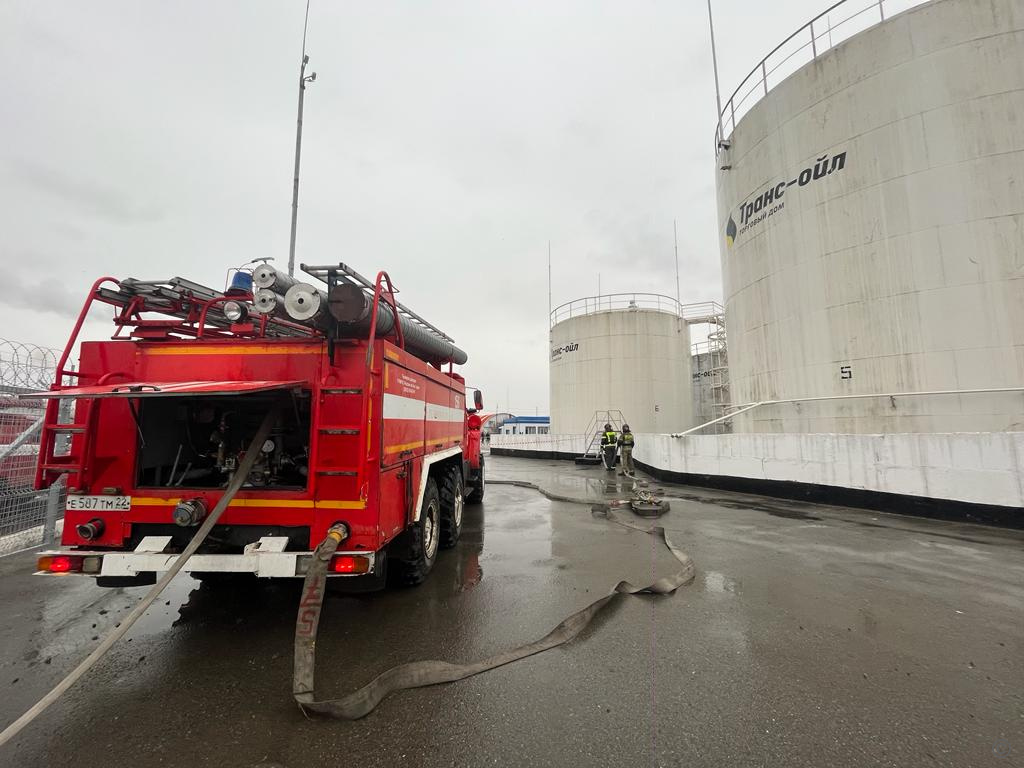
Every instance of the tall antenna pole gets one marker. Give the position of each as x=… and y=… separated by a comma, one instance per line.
x=549, y=281
x=714, y=62
x=675, y=239
x=298, y=142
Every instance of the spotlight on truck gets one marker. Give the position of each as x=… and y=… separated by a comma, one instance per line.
x=236, y=311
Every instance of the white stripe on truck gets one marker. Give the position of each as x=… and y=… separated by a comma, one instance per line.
x=398, y=407
x=444, y=413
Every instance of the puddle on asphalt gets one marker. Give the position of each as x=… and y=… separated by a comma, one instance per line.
x=790, y=514
x=599, y=485
x=522, y=523
x=791, y=510
x=470, y=576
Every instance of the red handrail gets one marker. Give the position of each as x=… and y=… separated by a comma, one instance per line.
x=61, y=373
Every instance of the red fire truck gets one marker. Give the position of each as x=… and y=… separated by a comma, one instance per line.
x=369, y=428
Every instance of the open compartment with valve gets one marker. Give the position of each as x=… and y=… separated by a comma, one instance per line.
x=197, y=441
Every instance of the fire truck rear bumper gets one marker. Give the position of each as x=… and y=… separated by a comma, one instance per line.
x=265, y=558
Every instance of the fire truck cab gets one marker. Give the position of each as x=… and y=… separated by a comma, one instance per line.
x=369, y=427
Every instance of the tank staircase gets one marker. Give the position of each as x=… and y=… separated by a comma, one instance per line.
x=592, y=454
x=720, y=391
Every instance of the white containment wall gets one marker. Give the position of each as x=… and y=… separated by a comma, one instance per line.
x=872, y=222
x=634, y=360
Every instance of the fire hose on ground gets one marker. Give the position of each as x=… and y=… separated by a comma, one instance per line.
x=419, y=674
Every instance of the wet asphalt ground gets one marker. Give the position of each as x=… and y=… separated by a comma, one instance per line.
x=812, y=636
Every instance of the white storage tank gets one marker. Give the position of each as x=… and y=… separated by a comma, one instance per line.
x=624, y=352
x=872, y=221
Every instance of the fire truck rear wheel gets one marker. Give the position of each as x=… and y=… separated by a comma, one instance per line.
x=452, y=505
x=419, y=543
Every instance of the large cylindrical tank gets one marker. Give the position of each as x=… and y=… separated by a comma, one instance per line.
x=872, y=222
x=628, y=353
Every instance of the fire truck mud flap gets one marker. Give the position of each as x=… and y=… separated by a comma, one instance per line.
x=420, y=674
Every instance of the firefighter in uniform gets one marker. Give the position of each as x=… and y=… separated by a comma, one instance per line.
x=626, y=450
x=609, y=444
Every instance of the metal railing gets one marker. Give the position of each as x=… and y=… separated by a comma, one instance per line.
x=596, y=428
x=710, y=312
x=27, y=516
x=736, y=410
x=811, y=40
x=714, y=343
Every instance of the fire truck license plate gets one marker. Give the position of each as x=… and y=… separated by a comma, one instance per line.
x=99, y=503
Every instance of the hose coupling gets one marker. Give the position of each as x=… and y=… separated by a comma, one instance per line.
x=189, y=512
x=339, y=532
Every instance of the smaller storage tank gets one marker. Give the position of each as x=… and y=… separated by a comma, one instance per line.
x=627, y=352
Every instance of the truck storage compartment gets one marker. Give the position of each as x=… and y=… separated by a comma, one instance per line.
x=197, y=441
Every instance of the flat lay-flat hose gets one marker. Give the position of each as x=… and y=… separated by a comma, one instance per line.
x=419, y=674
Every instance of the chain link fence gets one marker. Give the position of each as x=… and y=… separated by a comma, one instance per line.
x=28, y=517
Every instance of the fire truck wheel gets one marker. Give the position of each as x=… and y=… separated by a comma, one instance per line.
x=417, y=550
x=476, y=493
x=452, y=504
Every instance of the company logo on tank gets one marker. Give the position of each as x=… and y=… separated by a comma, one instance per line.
x=753, y=213
x=557, y=352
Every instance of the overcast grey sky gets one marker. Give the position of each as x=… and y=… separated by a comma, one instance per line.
x=446, y=142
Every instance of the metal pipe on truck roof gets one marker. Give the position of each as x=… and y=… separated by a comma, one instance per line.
x=306, y=304
x=265, y=276
x=266, y=302
x=352, y=308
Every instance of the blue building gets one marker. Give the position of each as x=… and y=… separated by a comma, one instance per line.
x=526, y=425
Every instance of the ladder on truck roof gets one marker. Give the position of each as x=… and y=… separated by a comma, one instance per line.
x=189, y=310
x=195, y=310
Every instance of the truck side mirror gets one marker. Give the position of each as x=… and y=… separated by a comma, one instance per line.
x=478, y=399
